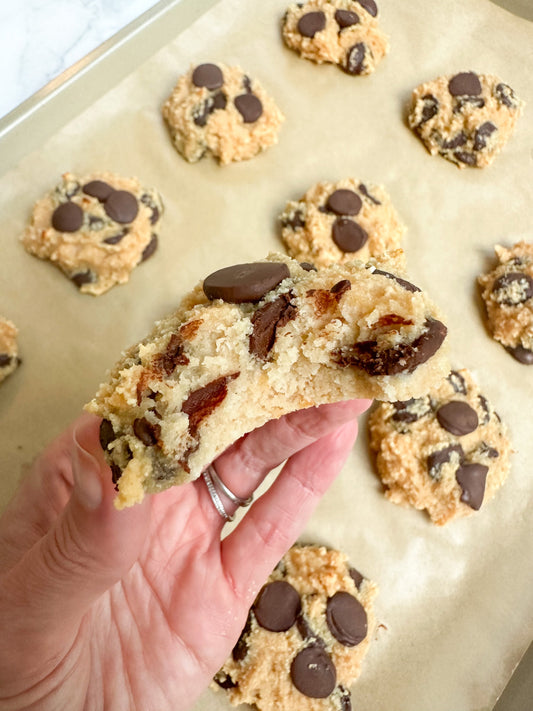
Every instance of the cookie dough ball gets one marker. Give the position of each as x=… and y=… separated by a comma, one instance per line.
x=97, y=228
x=447, y=452
x=343, y=32
x=339, y=222
x=221, y=110
x=508, y=295
x=9, y=360
x=467, y=118
x=306, y=635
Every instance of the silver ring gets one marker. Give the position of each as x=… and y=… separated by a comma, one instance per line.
x=212, y=480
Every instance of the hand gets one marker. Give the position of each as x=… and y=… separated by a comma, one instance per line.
x=138, y=609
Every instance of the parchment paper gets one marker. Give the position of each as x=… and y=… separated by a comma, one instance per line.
x=455, y=603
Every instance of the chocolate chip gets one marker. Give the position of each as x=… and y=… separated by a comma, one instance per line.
x=410, y=410
x=506, y=95
x=121, y=206
x=247, y=83
x=363, y=189
x=484, y=404
x=249, y=106
x=245, y=282
x=225, y=682
x=348, y=235
x=168, y=361
x=513, y=288
x=211, y=104
x=346, y=18
x=107, y=434
x=471, y=478
x=308, y=267
x=436, y=460
x=464, y=83
x=457, y=382
x=148, y=201
x=295, y=222
x=340, y=288
x=429, y=109
x=313, y=672
x=208, y=75
x=96, y=223
x=457, y=417
x=98, y=189
x=370, y=6
x=346, y=618
x=521, y=354
x=355, y=59
x=455, y=142
x=265, y=321
x=240, y=650
x=201, y=402
x=67, y=217
x=345, y=699
x=311, y=23
x=356, y=576
x=485, y=449
x=81, y=278
x=5, y=360
x=277, y=606
x=115, y=239
x=150, y=248
x=304, y=628
x=146, y=431
x=402, y=282
x=465, y=157
x=482, y=134
x=116, y=473
x=400, y=358
x=344, y=202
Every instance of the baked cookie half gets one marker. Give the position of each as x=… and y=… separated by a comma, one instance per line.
x=253, y=342
x=306, y=635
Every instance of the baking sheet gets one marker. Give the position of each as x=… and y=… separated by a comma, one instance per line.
x=460, y=597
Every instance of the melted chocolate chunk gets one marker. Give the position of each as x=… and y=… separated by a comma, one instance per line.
x=245, y=282
x=208, y=75
x=355, y=59
x=346, y=618
x=430, y=108
x=116, y=473
x=513, y=288
x=465, y=157
x=118, y=237
x=356, y=577
x=370, y=6
x=249, y=106
x=457, y=382
x=201, y=403
x=146, y=431
x=173, y=356
x=363, y=189
x=277, y=606
x=107, y=434
x=67, y=217
x=482, y=134
x=121, y=206
x=402, y=282
x=311, y=23
x=410, y=410
x=506, y=95
x=471, y=478
x=345, y=699
x=348, y=235
x=344, y=202
x=240, y=650
x=346, y=18
x=304, y=628
x=487, y=450
x=294, y=222
x=96, y=223
x=225, y=682
x=308, y=267
x=98, y=189
x=521, y=354
x=313, y=672
x=266, y=321
x=475, y=102
x=464, y=83
x=455, y=142
x=483, y=402
x=457, y=417
x=150, y=248
x=5, y=360
x=156, y=214
x=437, y=459
x=211, y=104
x=341, y=287
x=81, y=278
x=401, y=358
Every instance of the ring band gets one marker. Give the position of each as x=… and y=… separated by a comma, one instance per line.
x=212, y=480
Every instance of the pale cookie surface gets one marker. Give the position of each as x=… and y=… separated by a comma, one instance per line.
x=254, y=342
x=9, y=360
x=339, y=222
x=306, y=635
x=223, y=111
x=343, y=32
x=507, y=291
x=95, y=228
x=447, y=452
x=467, y=118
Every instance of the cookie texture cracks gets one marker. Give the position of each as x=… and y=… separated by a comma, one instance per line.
x=253, y=342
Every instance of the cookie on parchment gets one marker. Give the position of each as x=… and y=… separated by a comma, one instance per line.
x=447, y=452
x=339, y=222
x=467, y=118
x=507, y=291
x=220, y=110
x=9, y=360
x=96, y=228
x=342, y=32
x=306, y=635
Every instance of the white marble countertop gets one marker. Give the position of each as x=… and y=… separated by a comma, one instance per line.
x=39, y=39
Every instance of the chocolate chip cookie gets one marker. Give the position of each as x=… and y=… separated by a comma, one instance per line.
x=220, y=110
x=251, y=343
x=96, y=228
x=342, y=32
x=467, y=118
x=9, y=360
x=446, y=452
x=306, y=635
x=507, y=291
x=339, y=222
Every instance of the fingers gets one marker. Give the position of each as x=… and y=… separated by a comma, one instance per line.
x=275, y=521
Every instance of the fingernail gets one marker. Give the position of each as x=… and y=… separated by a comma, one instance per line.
x=86, y=473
